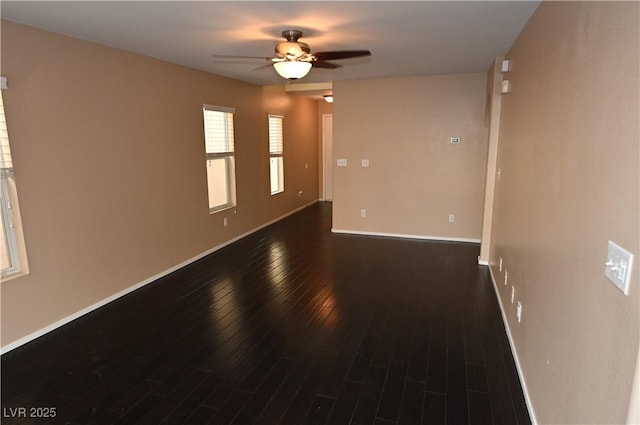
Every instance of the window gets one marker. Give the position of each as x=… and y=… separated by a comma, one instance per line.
x=276, y=159
x=12, y=253
x=218, y=141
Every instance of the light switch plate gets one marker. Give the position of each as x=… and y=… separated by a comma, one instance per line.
x=506, y=65
x=618, y=266
x=342, y=162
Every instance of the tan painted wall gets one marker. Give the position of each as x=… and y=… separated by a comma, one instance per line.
x=416, y=178
x=569, y=156
x=300, y=148
x=109, y=157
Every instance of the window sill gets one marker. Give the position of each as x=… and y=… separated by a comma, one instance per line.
x=14, y=275
x=221, y=209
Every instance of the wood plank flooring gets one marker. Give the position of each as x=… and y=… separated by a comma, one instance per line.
x=292, y=325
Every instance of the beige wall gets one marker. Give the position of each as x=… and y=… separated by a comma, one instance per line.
x=300, y=149
x=569, y=160
x=109, y=157
x=109, y=162
x=416, y=178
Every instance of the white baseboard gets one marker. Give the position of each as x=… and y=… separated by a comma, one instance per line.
x=15, y=344
x=514, y=352
x=404, y=236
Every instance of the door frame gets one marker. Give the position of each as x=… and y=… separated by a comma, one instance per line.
x=324, y=158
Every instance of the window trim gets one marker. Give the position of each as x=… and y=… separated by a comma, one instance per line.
x=228, y=156
x=10, y=234
x=279, y=154
x=230, y=166
x=10, y=212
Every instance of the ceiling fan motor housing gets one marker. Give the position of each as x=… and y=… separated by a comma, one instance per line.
x=292, y=49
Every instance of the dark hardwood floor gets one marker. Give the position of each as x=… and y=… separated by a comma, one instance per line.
x=291, y=325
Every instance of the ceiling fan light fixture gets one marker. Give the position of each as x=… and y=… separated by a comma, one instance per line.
x=293, y=58
x=292, y=70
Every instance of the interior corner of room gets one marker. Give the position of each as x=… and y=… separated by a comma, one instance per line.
x=535, y=159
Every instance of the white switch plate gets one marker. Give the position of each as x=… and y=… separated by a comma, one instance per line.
x=342, y=162
x=506, y=65
x=452, y=218
x=365, y=162
x=363, y=213
x=618, y=266
x=454, y=140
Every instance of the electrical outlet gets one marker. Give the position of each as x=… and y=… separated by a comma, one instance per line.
x=225, y=221
x=513, y=293
x=363, y=213
x=364, y=163
x=452, y=218
x=506, y=87
x=300, y=193
x=519, y=311
x=454, y=140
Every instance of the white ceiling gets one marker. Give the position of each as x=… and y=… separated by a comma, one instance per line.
x=406, y=38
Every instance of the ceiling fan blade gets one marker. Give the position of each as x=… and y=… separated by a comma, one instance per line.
x=269, y=65
x=325, y=65
x=241, y=57
x=341, y=54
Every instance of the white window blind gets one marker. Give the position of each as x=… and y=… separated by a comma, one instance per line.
x=275, y=134
x=218, y=131
x=5, y=152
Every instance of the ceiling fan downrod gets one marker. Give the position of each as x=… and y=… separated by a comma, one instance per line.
x=292, y=35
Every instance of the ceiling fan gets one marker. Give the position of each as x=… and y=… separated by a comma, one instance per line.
x=293, y=59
